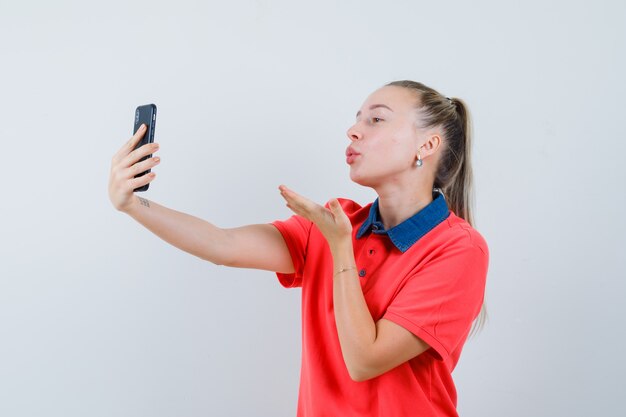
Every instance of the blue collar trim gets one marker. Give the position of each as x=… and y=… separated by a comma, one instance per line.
x=405, y=234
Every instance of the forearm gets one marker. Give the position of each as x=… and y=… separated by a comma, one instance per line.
x=191, y=234
x=355, y=327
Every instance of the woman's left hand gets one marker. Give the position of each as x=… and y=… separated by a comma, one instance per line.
x=334, y=223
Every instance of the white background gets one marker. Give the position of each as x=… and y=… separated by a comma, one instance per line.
x=99, y=317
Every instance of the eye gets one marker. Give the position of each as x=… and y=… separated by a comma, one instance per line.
x=376, y=119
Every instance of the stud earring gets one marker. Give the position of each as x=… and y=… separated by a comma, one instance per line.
x=419, y=160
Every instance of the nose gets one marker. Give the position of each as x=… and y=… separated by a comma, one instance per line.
x=353, y=134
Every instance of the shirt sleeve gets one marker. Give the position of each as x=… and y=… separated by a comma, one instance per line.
x=296, y=231
x=439, y=302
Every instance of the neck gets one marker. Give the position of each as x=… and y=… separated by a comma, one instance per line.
x=396, y=204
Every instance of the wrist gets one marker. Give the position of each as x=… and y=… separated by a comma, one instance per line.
x=343, y=257
x=344, y=269
x=131, y=206
x=341, y=246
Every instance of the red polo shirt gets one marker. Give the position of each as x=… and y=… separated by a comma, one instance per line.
x=426, y=274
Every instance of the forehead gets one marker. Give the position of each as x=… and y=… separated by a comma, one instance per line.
x=398, y=98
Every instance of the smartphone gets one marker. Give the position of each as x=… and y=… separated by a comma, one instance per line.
x=145, y=114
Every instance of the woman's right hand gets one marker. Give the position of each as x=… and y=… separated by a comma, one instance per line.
x=124, y=167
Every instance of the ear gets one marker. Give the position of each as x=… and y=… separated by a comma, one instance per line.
x=431, y=145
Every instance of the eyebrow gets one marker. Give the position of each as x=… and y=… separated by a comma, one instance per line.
x=372, y=107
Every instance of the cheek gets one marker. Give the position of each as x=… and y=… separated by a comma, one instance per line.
x=391, y=149
x=390, y=158
x=401, y=148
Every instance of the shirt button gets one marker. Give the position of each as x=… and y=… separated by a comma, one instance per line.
x=362, y=273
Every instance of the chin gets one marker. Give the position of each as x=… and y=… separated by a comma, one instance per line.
x=361, y=179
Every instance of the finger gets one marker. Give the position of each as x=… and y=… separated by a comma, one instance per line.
x=294, y=203
x=137, y=154
x=132, y=142
x=298, y=211
x=335, y=206
x=140, y=181
x=141, y=131
x=298, y=207
x=298, y=201
x=290, y=196
x=142, y=166
x=333, y=211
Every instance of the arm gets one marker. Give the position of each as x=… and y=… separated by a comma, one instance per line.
x=369, y=348
x=235, y=247
x=258, y=246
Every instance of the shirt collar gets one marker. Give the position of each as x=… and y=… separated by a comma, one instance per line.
x=405, y=234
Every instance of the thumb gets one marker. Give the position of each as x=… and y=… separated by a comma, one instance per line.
x=335, y=207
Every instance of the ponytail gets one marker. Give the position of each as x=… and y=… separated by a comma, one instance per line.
x=454, y=174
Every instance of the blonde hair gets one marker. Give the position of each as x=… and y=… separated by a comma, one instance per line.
x=454, y=173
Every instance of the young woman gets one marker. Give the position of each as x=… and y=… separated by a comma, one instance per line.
x=389, y=290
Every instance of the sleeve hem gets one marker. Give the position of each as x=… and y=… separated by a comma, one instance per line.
x=440, y=351
x=294, y=279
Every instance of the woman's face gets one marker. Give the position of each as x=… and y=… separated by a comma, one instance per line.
x=384, y=138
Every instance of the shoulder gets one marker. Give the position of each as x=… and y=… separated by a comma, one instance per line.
x=455, y=255
x=457, y=231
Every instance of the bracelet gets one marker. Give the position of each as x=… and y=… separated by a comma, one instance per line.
x=344, y=270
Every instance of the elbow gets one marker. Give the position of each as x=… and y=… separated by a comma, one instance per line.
x=360, y=367
x=219, y=258
x=361, y=376
x=215, y=262
x=361, y=373
x=358, y=377
x=212, y=259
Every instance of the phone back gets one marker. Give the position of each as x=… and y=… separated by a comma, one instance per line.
x=145, y=114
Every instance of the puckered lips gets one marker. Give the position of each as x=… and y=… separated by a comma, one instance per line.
x=351, y=155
